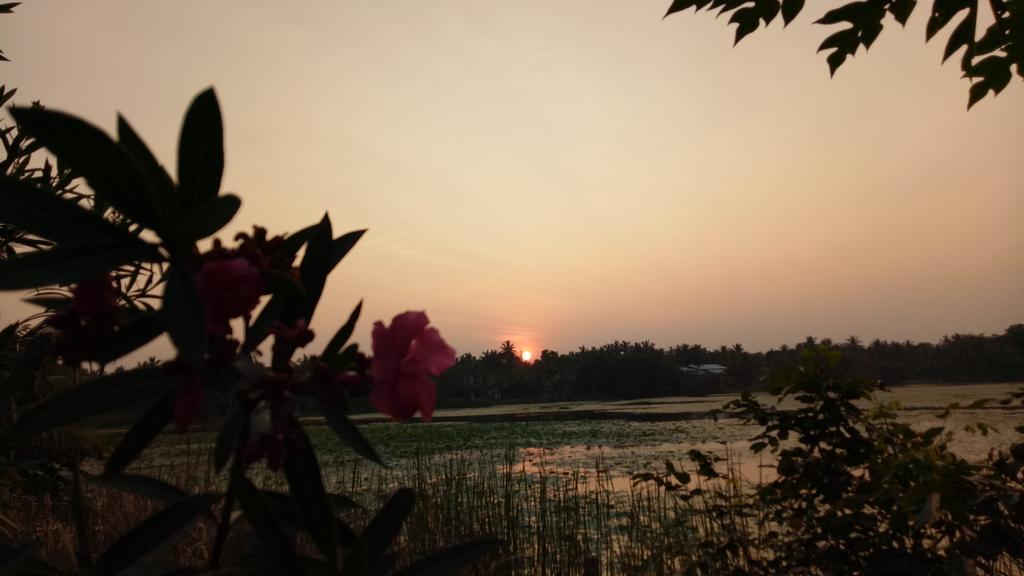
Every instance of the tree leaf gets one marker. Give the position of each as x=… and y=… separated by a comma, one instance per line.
x=109, y=169
x=152, y=532
x=273, y=541
x=184, y=318
x=453, y=559
x=344, y=333
x=348, y=433
x=210, y=217
x=200, y=152
x=790, y=10
x=90, y=398
x=69, y=263
x=42, y=213
x=963, y=35
x=306, y=486
x=141, y=434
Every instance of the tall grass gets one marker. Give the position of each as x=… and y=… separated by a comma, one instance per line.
x=584, y=520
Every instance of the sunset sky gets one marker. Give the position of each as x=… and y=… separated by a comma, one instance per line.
x=570, y=173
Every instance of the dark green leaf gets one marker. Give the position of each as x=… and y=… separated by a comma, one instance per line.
x=164, y=194
x=93, y=397
x=348, y=433
x=306, y=486
x=902, y=9
x=152, y=532
x=141, y=434
x=273, y=541
x=963, y=35
x=227, y=439
x=69, y=263
x=454, y=559
x=200, y=152
x=342, y=245
x=44, y=214
x=790, y=10
x=184, y=318
x=278, y=282
x=137, y=331
x=109, y=169
x=294, y=242
x=256, y=333
x=746, y=20
x=344, y=333
x=314, y=269
x=387, y=524
x=849, y=12
x=210, y=217
x=142, y=486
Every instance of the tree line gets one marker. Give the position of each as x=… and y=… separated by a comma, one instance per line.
x=638, y=369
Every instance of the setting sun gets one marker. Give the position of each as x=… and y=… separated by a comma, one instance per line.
x=527, y=355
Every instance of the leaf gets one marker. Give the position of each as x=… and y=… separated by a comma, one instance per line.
x=278, y=282
x=227, y=438
x=137, y=331
x=42, y=213
x=348, y=433
x=314, y=269
x=963, y=35
x=746, y=20
x=200, y=153
x=851, y=12
x=8, y=7
x=163, y=194
x=142, y=486
x=790, y=10
x=256, y=332
x=141, y=434
x=185, y=318
x=342, y=245
x=306, y=486
x=69, y=263
x=680, y=5
x=902, y=9
x=386, y=525
x=344, y=333
x=93, y=397
x=273, y=541
x=152, y=532
x=210, y=217
x=109, y=169
x=453, y=559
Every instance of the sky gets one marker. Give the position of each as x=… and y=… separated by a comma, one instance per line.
x=565, y=174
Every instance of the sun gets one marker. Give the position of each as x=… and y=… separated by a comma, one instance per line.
x=527, y=355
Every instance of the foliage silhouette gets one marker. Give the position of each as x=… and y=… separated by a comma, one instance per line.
x=97, y=244
x=988, y=61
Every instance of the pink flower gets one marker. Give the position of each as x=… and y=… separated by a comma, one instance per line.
x=229, y=289
x=405, y=357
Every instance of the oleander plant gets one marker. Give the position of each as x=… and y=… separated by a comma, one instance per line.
x=121, y=264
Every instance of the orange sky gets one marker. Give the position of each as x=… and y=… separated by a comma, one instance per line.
x=570, y=173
